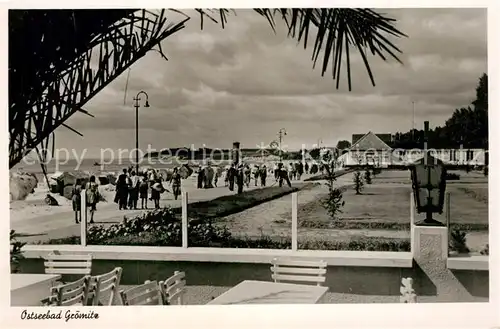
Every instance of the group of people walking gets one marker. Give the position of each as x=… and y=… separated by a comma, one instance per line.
x=131, y=187
x=92, y=197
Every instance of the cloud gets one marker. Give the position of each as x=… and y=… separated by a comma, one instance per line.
x=245, y=82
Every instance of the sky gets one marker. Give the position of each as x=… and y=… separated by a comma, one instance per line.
x=245, y=82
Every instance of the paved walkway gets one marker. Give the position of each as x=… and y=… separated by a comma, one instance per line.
x=267, y=218
x=62, y=224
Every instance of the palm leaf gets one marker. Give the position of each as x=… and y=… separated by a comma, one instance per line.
x=336, y=29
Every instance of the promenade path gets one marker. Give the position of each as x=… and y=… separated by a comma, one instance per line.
x=62, y=224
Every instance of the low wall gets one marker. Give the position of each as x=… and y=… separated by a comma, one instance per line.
x=349, y=272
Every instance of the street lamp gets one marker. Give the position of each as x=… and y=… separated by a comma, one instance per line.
x=428, y=177
x=136, y=105
x=281, y=133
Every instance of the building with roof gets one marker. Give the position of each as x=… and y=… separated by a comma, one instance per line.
x=369, y=149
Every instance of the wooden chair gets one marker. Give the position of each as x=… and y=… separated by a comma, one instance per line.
x=105, y=285
x=299, y=271
x=173, y=288
x=146, y=294
x=57, y=263
x=73, y=293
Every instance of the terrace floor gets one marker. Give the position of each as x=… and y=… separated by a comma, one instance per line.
x=201, y=295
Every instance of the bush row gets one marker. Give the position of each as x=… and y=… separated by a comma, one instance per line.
x=348, y=224
x=263, y=242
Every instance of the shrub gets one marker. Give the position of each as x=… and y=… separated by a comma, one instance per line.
x=358, y=182
x=458, y=241
x=368, y=176
x=376, y=171
x=261, y=242
x=452, y=176
x=16, y=254
x=485, y=171
x=333, y=202
x=158, y=220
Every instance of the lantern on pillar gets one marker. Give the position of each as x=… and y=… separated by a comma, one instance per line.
x=428, y=177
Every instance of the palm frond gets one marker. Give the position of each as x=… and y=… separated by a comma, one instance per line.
x=336, y=29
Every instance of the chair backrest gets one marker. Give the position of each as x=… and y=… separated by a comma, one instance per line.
x=73, y=293
x=68, y=264
x=106, y=285
x=173, y=288
x=146, y=294
x=298, y=271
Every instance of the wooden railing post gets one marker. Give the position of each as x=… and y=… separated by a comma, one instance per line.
x=294, y=221
x=412, y=222
x=448, y=218
x=184, y=220
x=83, y=218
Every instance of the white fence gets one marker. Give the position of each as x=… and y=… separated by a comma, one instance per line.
x=473, y=157
x=294, y=205
x=184, y=220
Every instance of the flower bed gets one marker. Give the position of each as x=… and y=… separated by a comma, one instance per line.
x=223, y=239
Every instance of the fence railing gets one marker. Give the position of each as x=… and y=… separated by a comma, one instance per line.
x=294, y=208
x=185, y=220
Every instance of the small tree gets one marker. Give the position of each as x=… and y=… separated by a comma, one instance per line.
x=334, y=203
x=458, y=241
x=358, y=182
x=368, y=176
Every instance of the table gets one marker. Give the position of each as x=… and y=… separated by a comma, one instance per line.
x=30, y=289
x=261, y=292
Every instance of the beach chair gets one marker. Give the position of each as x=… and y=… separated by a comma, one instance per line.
x=173, y=289
x=104, y=288
x=146, y=294
x=299, y=271
x=69, y=294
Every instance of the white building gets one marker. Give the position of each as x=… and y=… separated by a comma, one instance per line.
x=371, y=150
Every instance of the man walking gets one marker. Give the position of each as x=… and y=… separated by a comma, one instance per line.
x=240, y=177
x=263, y=176
x=231, y=174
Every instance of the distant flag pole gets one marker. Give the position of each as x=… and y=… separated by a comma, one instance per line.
x=126, y=87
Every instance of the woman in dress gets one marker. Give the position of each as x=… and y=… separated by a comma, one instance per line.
x=156, y=190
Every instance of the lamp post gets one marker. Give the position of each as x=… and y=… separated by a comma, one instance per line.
x=136, y=105
x=281, y=133
x=428, y=177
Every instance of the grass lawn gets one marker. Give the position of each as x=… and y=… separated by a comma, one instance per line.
x=230, y=204
x=388, y=207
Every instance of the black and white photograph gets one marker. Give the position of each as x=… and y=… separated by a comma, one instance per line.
x=246, y=157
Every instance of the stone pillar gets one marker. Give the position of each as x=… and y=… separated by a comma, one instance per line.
x=236, y=153
x=429, y=245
